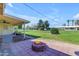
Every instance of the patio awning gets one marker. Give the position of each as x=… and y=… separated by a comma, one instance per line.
x=12, y=20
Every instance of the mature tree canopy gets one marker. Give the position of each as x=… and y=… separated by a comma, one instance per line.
x=40, y=25
x=46, y=25
x=43, y=25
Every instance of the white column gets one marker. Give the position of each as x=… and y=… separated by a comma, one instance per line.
x=24, y=31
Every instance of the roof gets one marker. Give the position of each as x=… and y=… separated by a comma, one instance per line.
x=10, y=19
x=69, y=26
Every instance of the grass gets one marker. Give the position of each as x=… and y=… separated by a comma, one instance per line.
x=69, y=36
x=66, y=36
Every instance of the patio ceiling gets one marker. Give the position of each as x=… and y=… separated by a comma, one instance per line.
x=12, y=20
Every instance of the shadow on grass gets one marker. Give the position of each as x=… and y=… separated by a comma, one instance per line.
x=33, y=36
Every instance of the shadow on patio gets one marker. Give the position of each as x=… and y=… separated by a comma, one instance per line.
x=19, y=37
x=77, y=53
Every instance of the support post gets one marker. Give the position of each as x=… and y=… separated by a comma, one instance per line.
x=24, y=31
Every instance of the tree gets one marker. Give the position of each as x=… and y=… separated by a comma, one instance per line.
x=20, y=26
x=40, y=25
x=77, y=22
x=46, y=25
x=43, y=25
x=72, y=22
x=54, y=31
x=68, y=21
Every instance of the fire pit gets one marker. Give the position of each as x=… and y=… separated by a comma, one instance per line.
x=38, y=46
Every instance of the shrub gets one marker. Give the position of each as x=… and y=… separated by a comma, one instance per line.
x=54, y=31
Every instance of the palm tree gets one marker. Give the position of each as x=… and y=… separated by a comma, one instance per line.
x=77, y=22
x=72, y=22
x=68, y=21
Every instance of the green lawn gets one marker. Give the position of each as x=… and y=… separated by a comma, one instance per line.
x=66, y=36
x=69, y=36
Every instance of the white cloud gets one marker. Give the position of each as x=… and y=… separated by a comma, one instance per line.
x=56, y=19
x=10, y=4
x=76, y=16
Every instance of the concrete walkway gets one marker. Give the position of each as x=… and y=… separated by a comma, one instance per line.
x=64, y=47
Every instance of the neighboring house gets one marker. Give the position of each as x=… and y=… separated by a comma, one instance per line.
x=69, y=28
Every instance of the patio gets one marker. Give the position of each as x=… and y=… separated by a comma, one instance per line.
x=23, y=48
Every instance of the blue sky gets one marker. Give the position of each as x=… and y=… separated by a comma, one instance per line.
x=57, y=14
